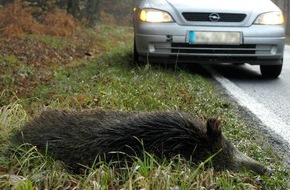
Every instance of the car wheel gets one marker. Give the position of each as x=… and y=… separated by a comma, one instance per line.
x=271, y=71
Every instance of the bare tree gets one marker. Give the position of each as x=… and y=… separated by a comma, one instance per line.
x=88, y=9
x=92, y=11
x=73, y=7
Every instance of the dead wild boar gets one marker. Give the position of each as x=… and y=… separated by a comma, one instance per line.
x=77, y=138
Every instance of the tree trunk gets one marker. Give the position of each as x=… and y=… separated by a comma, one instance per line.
x=73, y=7
x=63, y=4
x=92, y=12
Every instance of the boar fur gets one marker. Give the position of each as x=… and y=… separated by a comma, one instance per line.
x=78, y=137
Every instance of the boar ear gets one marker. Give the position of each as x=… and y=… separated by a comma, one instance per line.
x=213, y=127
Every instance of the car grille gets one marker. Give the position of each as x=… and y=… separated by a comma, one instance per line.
x=208, y=17
x=182, y=48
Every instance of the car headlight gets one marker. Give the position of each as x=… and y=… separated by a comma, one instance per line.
x=153, y=15
x=271, y=18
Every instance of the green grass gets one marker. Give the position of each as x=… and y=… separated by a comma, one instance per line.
x=112, y=82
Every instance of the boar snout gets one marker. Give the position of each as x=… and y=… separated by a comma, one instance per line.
x=253, y=165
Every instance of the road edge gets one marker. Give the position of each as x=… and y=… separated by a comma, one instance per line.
x=271, y=124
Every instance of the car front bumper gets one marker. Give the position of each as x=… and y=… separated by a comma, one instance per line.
x=259, y=44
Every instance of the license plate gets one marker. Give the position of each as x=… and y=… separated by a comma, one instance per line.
x=201, y=37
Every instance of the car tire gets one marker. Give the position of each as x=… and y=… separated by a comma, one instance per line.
x=271, y=71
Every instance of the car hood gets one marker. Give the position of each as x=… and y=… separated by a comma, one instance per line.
x=225, y=5
x=252, y=8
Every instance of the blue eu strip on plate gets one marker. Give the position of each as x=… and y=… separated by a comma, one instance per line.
x=191, y=37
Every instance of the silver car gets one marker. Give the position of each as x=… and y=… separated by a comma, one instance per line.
x=210, y=31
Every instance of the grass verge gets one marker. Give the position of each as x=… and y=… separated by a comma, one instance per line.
x=111, y=81
x=287, y=40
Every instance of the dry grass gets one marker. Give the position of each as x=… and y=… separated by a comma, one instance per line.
x=18, y=18
x=33, y=43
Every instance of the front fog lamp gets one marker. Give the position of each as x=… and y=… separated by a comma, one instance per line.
x=152, y=15
x=271, y=18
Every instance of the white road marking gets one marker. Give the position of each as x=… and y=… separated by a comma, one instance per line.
x=269, y=119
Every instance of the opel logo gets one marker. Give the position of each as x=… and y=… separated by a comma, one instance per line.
x=214, y=17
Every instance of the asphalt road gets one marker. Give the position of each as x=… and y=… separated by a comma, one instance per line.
x=268, y=99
